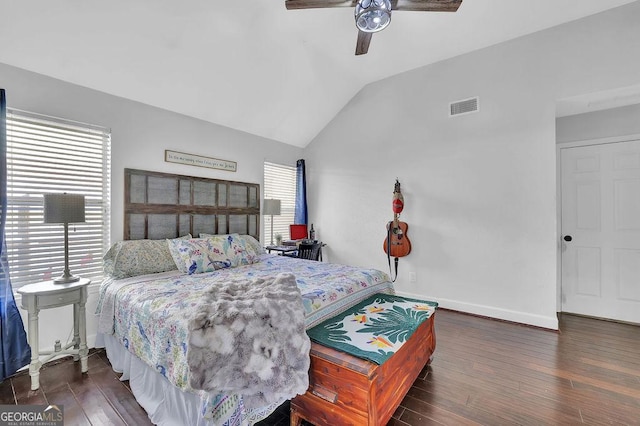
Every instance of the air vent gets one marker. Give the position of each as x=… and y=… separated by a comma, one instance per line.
x=466, y=106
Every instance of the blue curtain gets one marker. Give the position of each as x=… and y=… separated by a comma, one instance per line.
x=15, y=352
x=301, y=194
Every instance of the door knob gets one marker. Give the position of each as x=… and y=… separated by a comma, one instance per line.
x=568, y=238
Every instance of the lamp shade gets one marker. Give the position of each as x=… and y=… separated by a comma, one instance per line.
x=63, y=208
x=271, y=207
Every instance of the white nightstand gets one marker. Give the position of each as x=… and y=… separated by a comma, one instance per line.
x=44, y=295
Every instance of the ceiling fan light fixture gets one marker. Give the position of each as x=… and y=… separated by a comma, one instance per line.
x=373, y=15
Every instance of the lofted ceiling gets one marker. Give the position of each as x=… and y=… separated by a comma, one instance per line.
x=251, y=65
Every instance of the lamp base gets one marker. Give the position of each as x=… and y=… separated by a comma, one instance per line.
x=66, y=279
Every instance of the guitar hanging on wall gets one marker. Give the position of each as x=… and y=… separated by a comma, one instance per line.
x=397, y=243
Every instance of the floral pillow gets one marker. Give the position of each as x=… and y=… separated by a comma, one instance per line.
x=234, y=248
x=254, y=244
x=249, y=242
x=196, y=256
x=131, y=258
x=208, y=254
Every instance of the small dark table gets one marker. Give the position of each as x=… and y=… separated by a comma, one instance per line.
x=281, y=249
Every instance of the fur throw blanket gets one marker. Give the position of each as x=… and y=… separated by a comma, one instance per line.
x=248, y=337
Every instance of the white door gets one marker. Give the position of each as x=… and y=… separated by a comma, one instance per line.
x=601, y=230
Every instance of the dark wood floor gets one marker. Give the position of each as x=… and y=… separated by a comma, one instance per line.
x=485, y=372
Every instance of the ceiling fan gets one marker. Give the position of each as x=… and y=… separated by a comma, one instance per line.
x=374, y=15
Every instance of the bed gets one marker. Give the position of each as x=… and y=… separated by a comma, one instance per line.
x=149, y=299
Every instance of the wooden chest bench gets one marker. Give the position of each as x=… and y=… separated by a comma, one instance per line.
x=345, y=390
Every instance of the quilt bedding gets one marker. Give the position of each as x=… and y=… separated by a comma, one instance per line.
x=149, y=315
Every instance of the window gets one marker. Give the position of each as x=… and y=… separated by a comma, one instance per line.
x=51, y=155
x=279, y=184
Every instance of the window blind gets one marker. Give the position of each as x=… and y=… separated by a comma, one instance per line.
x=279, y=184
x=52, y=155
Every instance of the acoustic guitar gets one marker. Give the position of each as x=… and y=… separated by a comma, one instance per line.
x=397, y=243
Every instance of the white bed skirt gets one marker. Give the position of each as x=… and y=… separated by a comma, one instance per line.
x=165, y=404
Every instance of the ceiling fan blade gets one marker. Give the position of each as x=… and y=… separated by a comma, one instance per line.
x=426, y=5
x=362, y=45
x=314, y=4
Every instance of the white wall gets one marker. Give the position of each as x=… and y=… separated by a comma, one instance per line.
x=622, y=121
x=140, y=134
x=480, y=189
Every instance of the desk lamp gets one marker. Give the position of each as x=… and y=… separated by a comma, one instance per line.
x=272, y=208
x=64, y=208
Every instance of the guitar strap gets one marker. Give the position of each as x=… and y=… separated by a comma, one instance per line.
x=395, y=259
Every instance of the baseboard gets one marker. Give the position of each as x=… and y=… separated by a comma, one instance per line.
x=491, y=311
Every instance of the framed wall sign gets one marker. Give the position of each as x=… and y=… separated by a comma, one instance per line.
x=199, y=160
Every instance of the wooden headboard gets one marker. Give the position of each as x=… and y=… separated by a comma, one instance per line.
x=162, y=205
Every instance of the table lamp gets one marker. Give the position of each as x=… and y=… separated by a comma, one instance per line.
x=64, y=208
x=272, y=208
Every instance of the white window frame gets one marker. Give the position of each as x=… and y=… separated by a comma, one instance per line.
x=53, y=155
x=279, y=184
